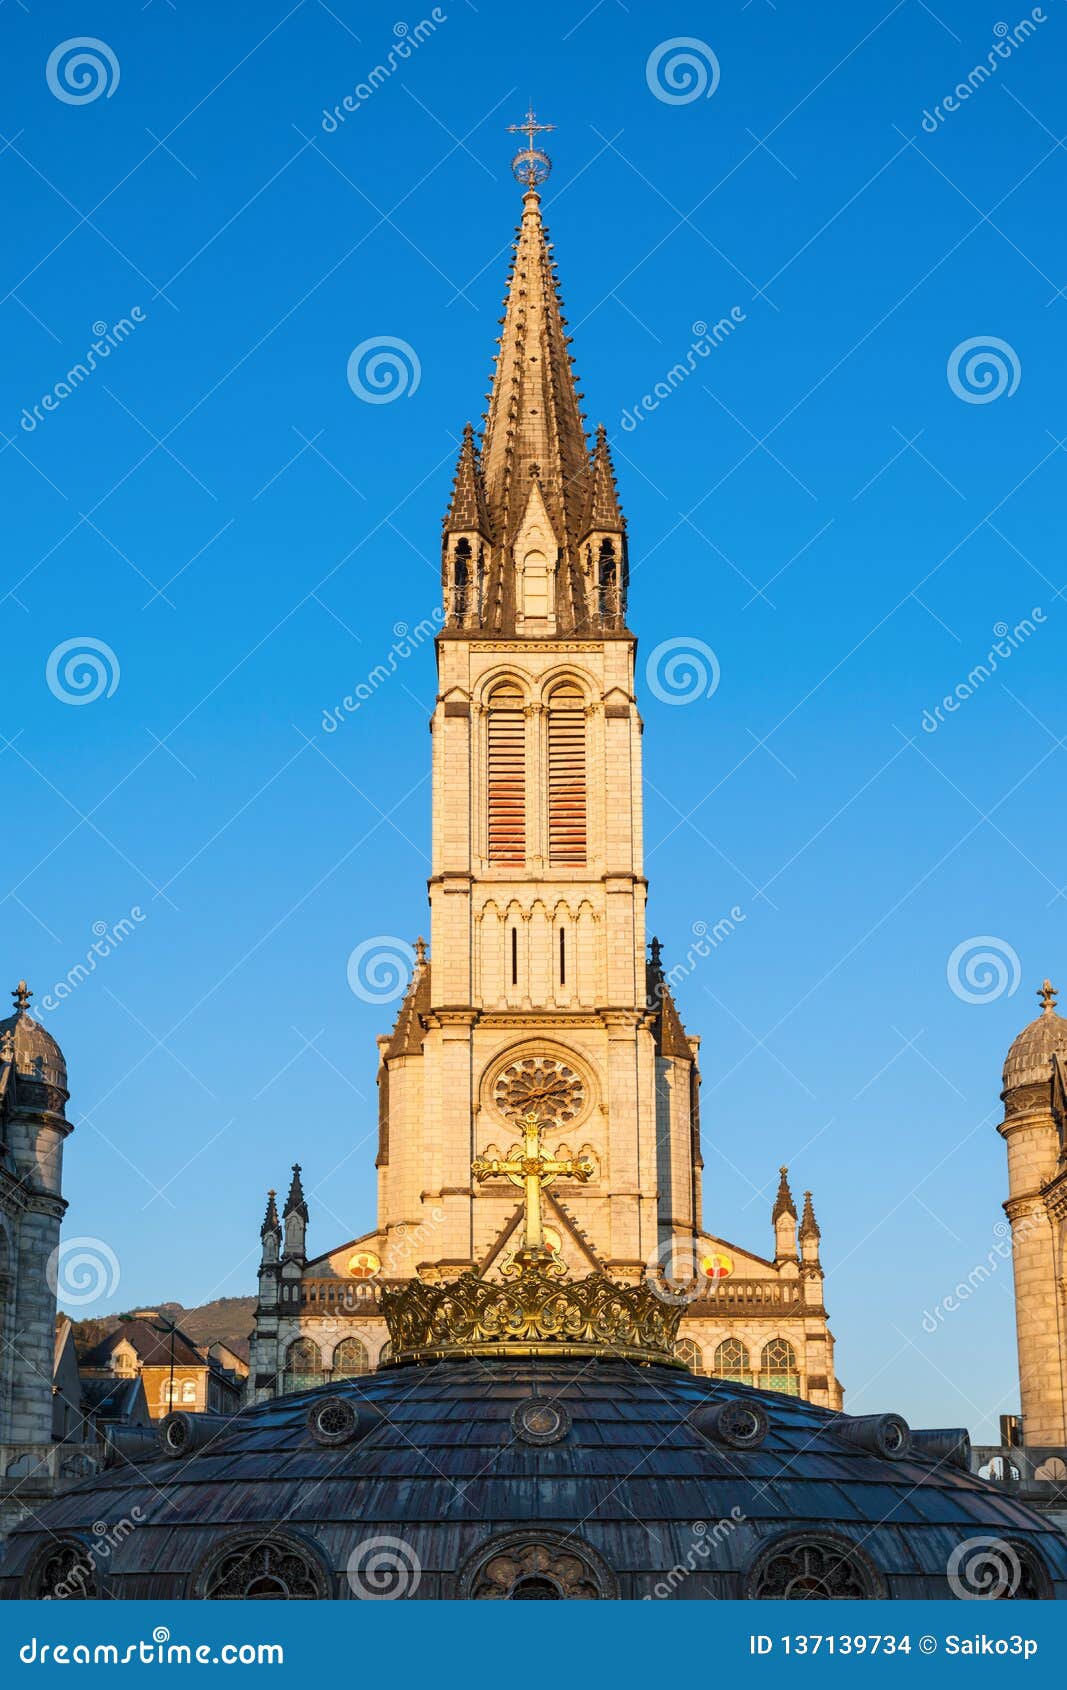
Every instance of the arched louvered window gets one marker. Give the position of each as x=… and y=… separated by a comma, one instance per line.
x=507, y=776
x=566, y=777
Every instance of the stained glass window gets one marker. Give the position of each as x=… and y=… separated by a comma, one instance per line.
x=731, y=1362
x=778, y=1368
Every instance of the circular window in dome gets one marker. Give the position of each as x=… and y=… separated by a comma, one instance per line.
x=538, y=1421
x=333, y=1421
x=803, y=1567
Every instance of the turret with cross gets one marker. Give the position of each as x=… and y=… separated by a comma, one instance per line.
x=527, y=1166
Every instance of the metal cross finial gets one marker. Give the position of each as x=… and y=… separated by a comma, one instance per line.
x=22, y=996
x=527, y=1166
x=530, y=165
x=1048, y=995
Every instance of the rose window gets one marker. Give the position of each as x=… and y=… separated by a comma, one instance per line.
x=542, y=1085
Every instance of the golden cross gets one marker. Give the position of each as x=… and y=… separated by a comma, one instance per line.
x=530, y=165
x=527, y=1166
x=530, y=127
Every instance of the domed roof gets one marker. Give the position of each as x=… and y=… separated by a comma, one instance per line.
x=1028, y=1060
x=536, y=1476
x=36, y=1054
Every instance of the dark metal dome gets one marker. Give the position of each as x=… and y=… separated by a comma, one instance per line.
x=534, y=1478
x=1029, y=1060
x=34, y=1051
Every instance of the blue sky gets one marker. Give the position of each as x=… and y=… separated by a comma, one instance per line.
x=819, y=503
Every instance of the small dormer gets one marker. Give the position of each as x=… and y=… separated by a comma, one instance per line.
x=536, y=555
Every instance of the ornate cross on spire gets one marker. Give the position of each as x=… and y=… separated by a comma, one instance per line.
x=527, y=1166
x=22, y=996
x=1048, y=995
x=530, y=165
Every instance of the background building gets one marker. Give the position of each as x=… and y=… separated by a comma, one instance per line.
x=174, y=1371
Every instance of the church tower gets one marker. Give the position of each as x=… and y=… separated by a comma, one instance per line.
x=1034, y=1129
x=536, y=995
x=33, y=1128
x=540, y=995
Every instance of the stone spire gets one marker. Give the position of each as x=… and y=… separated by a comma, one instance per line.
x=534, y=424
x=603, y=513
x=296, y=1220
x=784, y=1216
x=22, y=995
x=783, y=1203
x=809, y=1226
x=534, y=541
x=271, y=1222
x=467, y=513
x=294, y=1203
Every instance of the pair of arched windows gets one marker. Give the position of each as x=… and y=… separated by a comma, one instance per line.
x=565, y=777
x=778, y=1370
x=303, y=1357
